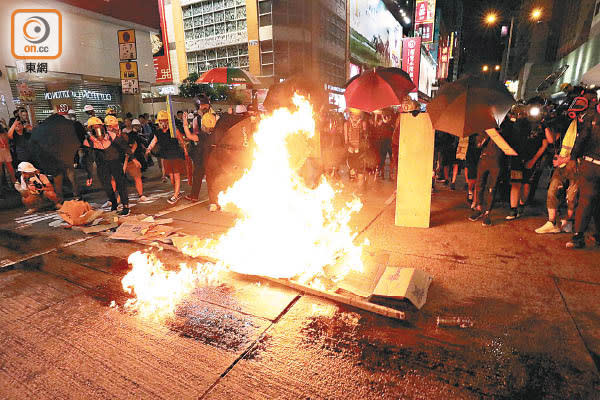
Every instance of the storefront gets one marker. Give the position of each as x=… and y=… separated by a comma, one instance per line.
x=63, y=92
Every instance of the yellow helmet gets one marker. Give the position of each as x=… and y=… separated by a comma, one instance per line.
x=209, y=120
x=94, y=121
x=162, y=115
x=111, y=120
x=110, y=111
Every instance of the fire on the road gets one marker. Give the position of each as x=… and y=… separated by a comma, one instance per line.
x=285, y=229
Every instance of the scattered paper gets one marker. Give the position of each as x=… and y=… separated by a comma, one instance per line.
x=400, y=283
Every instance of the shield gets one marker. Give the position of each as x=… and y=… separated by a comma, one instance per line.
x=54, y=144
x=470, y=105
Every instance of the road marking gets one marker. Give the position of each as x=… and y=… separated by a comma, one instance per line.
x=179, y=208
x=6, y=263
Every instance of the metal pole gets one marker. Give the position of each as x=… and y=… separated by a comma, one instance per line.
x=505, y=72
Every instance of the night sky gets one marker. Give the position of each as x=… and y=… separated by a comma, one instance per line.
x=483, y=44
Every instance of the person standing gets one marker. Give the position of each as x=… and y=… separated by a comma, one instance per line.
x=20, y=136
x=5, y=156
x=107, y=149
x=197, y=151
x=355, y=138
x=171, y=151
x=489, y=170
x=384, y=130
x=564, y=178
x=587, y=148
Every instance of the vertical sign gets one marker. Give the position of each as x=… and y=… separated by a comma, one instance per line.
x=160, y=49
x=129, y=77
x=411, y=59
x=425, y=19
x=443, y=59
x=127, y=47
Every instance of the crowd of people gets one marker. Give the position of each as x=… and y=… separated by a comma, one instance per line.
x=353, y=143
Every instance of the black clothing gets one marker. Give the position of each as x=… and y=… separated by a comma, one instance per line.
x=488, y=172
x=588, y=137
x=589, y=197
x=169, y=147
x=114, y=169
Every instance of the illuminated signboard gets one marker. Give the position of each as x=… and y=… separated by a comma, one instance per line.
x=424, y=19
x=375, y=35
x=411, y=59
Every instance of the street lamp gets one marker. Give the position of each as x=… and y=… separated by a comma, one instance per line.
x=491, y=18
x=536, y=14
x=485, y=68
x=497, y=68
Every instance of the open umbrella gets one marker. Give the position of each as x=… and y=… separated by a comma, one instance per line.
x=54, y=144
x=378, y=88
x=229, y=76
x=470, y=105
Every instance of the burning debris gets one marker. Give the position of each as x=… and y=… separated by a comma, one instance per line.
x=285, y=228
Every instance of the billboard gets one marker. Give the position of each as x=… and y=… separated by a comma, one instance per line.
x=160, y=49
x=411, y=59
x=425, y=19
x=375, y=35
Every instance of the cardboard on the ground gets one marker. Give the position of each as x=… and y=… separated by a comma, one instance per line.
x=95, y=228
x=362, y=283
x=415, y=164
x=131, y=230
x=499, y=140
x=404, y=283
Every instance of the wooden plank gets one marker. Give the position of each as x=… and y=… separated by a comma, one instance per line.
x=353, y=301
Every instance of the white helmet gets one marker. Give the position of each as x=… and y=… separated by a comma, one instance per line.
x=88, y=108
x=72, y=112
x=25, y=166
x=135, y=122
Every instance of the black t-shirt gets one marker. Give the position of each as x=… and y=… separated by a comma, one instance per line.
x=169, y=147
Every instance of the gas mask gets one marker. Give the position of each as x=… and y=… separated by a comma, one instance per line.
x=98, y=131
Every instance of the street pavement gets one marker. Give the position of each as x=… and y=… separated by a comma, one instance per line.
x=533, y=304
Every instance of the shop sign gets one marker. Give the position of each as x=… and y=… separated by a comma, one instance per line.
x=160, y=49
x=79, y=94
x=411, y=59
x=127, y=45
x=425, y=19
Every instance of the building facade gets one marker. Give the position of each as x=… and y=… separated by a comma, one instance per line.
x=87, y=71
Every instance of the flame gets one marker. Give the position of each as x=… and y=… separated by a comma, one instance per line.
x=158, y=291
x=285, y=229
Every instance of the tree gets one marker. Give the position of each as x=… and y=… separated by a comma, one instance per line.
x=216, y=92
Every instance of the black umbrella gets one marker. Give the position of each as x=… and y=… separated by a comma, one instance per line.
x=470, y=105
x=280, y=94
x=54, y=144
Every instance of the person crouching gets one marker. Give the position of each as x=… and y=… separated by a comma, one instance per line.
x=34, y=187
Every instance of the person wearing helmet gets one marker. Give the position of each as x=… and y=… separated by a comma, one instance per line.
x=89, y=110
x=132, y=165
x=108, y=150
x=171, y=151
x=111, y=111
x=34, y=187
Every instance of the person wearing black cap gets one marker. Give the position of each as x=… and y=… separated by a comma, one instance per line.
x=587, y=149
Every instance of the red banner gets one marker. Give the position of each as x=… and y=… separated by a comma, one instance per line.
x=160, y=49
x=443, y=60
x=411, y=59
x=425, y=19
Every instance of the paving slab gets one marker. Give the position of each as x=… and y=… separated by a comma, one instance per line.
x=581, y=301
x=23, y=293
x=322, y=350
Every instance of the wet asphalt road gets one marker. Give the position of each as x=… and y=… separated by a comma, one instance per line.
x=536, y=331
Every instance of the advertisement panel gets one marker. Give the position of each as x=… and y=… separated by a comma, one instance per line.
x=375, y=35
x=411, y=59
x=160, y=49
x=425, y=19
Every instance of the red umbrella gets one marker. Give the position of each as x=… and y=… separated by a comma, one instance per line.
x=378, y=88
x=230, y=76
